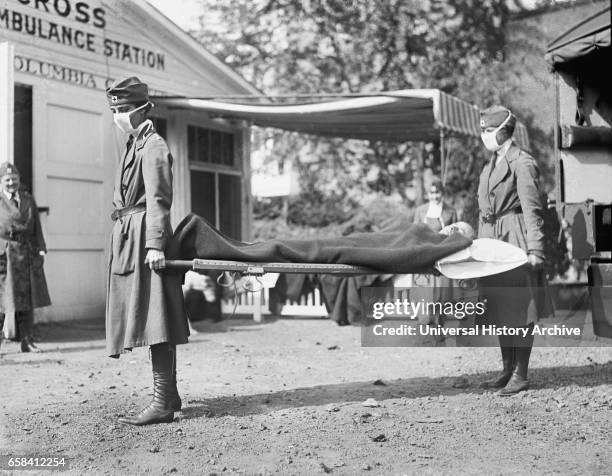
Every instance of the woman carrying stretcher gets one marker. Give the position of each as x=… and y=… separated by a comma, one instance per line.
x=511, y=210
x=144, y=305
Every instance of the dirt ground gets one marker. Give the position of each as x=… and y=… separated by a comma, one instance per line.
x=285, y=397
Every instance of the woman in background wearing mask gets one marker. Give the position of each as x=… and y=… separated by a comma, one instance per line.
x=511, y=210
x=143, y=306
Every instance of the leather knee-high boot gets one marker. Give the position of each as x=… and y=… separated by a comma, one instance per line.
x=519, y=382
x=175, y=398
x=161, y=408
x=508, y=365
x=507, y=352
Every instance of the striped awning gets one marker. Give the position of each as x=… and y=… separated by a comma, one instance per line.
x=395, y=116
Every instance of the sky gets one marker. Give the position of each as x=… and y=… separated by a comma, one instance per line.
x=182, y=12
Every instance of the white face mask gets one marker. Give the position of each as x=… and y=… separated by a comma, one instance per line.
x=489, y=139
x=123, y=120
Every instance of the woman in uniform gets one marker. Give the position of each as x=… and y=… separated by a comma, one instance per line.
x=144, y=305
x=511, y=210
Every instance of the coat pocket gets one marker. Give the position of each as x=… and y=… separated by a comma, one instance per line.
x=519, y=232
x=38, y=262
x=124, y=248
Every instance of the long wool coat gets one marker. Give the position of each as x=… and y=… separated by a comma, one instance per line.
x=22, y=278
x=517, y=297
x=143, y=307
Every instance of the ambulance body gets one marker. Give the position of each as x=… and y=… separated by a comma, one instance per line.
x=580, y=59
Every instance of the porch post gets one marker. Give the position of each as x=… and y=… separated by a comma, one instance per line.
x=7, y=102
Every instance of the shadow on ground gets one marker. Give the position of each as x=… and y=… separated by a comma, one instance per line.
x=77, y=330
x=94, y=329
x=553, y=377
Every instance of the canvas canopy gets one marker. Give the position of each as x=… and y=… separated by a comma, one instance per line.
x=397, y=116
x=589, y=36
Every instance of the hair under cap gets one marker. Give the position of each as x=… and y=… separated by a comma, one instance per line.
x=127, y=91
x=8, y=168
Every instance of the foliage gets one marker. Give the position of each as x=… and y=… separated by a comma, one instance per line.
x=313, y=47
x=376, y=215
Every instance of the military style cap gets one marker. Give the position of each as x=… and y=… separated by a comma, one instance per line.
x=8, y=168
x=494, y=116
x=127, y=91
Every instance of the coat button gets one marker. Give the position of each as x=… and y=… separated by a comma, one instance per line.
x=491, y=194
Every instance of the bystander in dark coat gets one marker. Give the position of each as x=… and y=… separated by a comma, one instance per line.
x=23, y=287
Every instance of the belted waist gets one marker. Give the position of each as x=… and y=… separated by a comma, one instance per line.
x=493, y=217
x=121, y=212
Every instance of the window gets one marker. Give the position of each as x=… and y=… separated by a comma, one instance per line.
x=210, y=146
x=230, y=209
x=203, y=196
x=218, y=198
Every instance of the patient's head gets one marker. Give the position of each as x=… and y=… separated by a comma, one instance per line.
x=460, y=227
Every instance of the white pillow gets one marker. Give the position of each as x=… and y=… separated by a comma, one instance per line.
x=484, y=257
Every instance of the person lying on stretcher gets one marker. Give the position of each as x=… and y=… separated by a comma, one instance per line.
x=402, y=250
x=459, y=227
x=483, y=257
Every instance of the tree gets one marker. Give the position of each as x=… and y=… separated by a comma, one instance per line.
x=290, y=47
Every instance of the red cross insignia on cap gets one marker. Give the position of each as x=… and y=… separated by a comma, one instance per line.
x=7, y=168
x=482, y=123
x=113, y=99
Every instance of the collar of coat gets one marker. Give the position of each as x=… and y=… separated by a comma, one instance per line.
x=510, y=156
x=145, y=131
x=14, y=195
x=503, y=150
x=502, y=169
x=23, y=200
x=512, y=153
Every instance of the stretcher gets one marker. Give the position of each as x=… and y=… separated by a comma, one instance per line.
x=259, y=269
x=483, y=257
x=232, y=270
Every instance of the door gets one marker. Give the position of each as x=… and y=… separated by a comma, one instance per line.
x=75, y=154
x=22, y=143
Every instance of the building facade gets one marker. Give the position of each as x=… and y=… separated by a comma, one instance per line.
x=56, y=59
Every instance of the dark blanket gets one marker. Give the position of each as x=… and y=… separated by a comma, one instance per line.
x=342, y=295
x=413, y=249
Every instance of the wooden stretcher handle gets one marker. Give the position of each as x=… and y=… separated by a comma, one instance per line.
x=186, y=265
x=250, y=268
